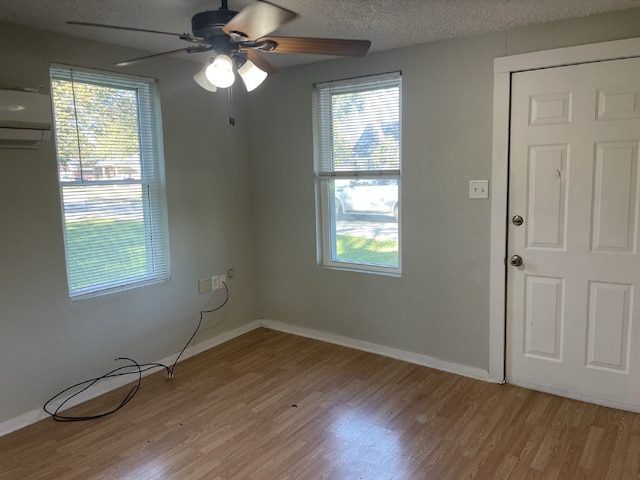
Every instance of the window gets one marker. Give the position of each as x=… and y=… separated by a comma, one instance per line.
x=110, y=168
x=357, y=151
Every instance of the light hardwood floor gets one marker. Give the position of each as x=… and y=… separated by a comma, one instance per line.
x=269, y=405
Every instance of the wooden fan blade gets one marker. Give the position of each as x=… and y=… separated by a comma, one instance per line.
x=203, y=48
x=183, y=36
x=260, y=62
x=259, y=18
x=319, y=46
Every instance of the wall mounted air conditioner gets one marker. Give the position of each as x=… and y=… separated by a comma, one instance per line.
x=25, y=118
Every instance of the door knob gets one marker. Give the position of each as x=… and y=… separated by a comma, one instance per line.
x=516, y=261
x=517, y=220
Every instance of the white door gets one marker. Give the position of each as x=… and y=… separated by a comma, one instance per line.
x=573, y=323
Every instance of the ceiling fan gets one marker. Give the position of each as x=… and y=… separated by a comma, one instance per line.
x=236, y=38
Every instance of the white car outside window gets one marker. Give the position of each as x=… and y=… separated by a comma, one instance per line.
x=366, y=197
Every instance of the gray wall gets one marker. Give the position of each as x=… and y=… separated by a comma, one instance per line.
x=48, y=342
x=243, y=197
x=440, y=305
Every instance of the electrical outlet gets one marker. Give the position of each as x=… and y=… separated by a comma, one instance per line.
x=222, y=280
x=214, y=283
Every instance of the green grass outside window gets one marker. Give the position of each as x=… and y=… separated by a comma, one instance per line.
x=126, y=237
x=366, y=250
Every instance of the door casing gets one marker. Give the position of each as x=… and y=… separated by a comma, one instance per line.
x=504, y=67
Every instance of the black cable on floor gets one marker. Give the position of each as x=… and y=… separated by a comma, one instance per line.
x=120, y=371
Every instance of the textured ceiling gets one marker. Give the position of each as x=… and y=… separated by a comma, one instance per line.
x=388, y=24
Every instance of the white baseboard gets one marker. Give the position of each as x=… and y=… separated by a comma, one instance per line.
x=217, y=340
x=410, y=357
x=110, y=384
x=36, y=415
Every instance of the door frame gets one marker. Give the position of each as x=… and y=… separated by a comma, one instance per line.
x=503, y=68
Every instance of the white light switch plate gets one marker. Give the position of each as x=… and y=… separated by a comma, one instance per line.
x=478, y=188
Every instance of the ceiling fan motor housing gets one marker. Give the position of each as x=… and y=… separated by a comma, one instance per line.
x=208, y=24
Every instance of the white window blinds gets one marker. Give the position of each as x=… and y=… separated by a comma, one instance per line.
x=357, y=152
x=358, y=126
x=110, y=168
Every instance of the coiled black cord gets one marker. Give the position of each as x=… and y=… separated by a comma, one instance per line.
x=138, y=369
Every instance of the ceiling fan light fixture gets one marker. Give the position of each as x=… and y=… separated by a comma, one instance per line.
x=220, y=72
x=251, y=75
x=235, y=37
x=202, y=80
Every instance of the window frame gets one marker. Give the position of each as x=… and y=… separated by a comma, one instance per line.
x=325, y=179
x=152, y=178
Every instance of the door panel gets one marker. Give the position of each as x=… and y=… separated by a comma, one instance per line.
x=609, y=321
x=572, y=319
x=544, y=317
x=615, y=187
x=546, y=196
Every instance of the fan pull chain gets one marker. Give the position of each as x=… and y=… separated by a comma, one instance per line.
x=232, y=118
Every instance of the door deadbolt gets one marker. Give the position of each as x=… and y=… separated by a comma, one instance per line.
x=517, y=220
x=516, y=261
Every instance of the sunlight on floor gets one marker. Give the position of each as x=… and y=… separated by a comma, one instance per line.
x=366, y=449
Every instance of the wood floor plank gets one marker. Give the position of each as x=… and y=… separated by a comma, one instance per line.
x=269, y=405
